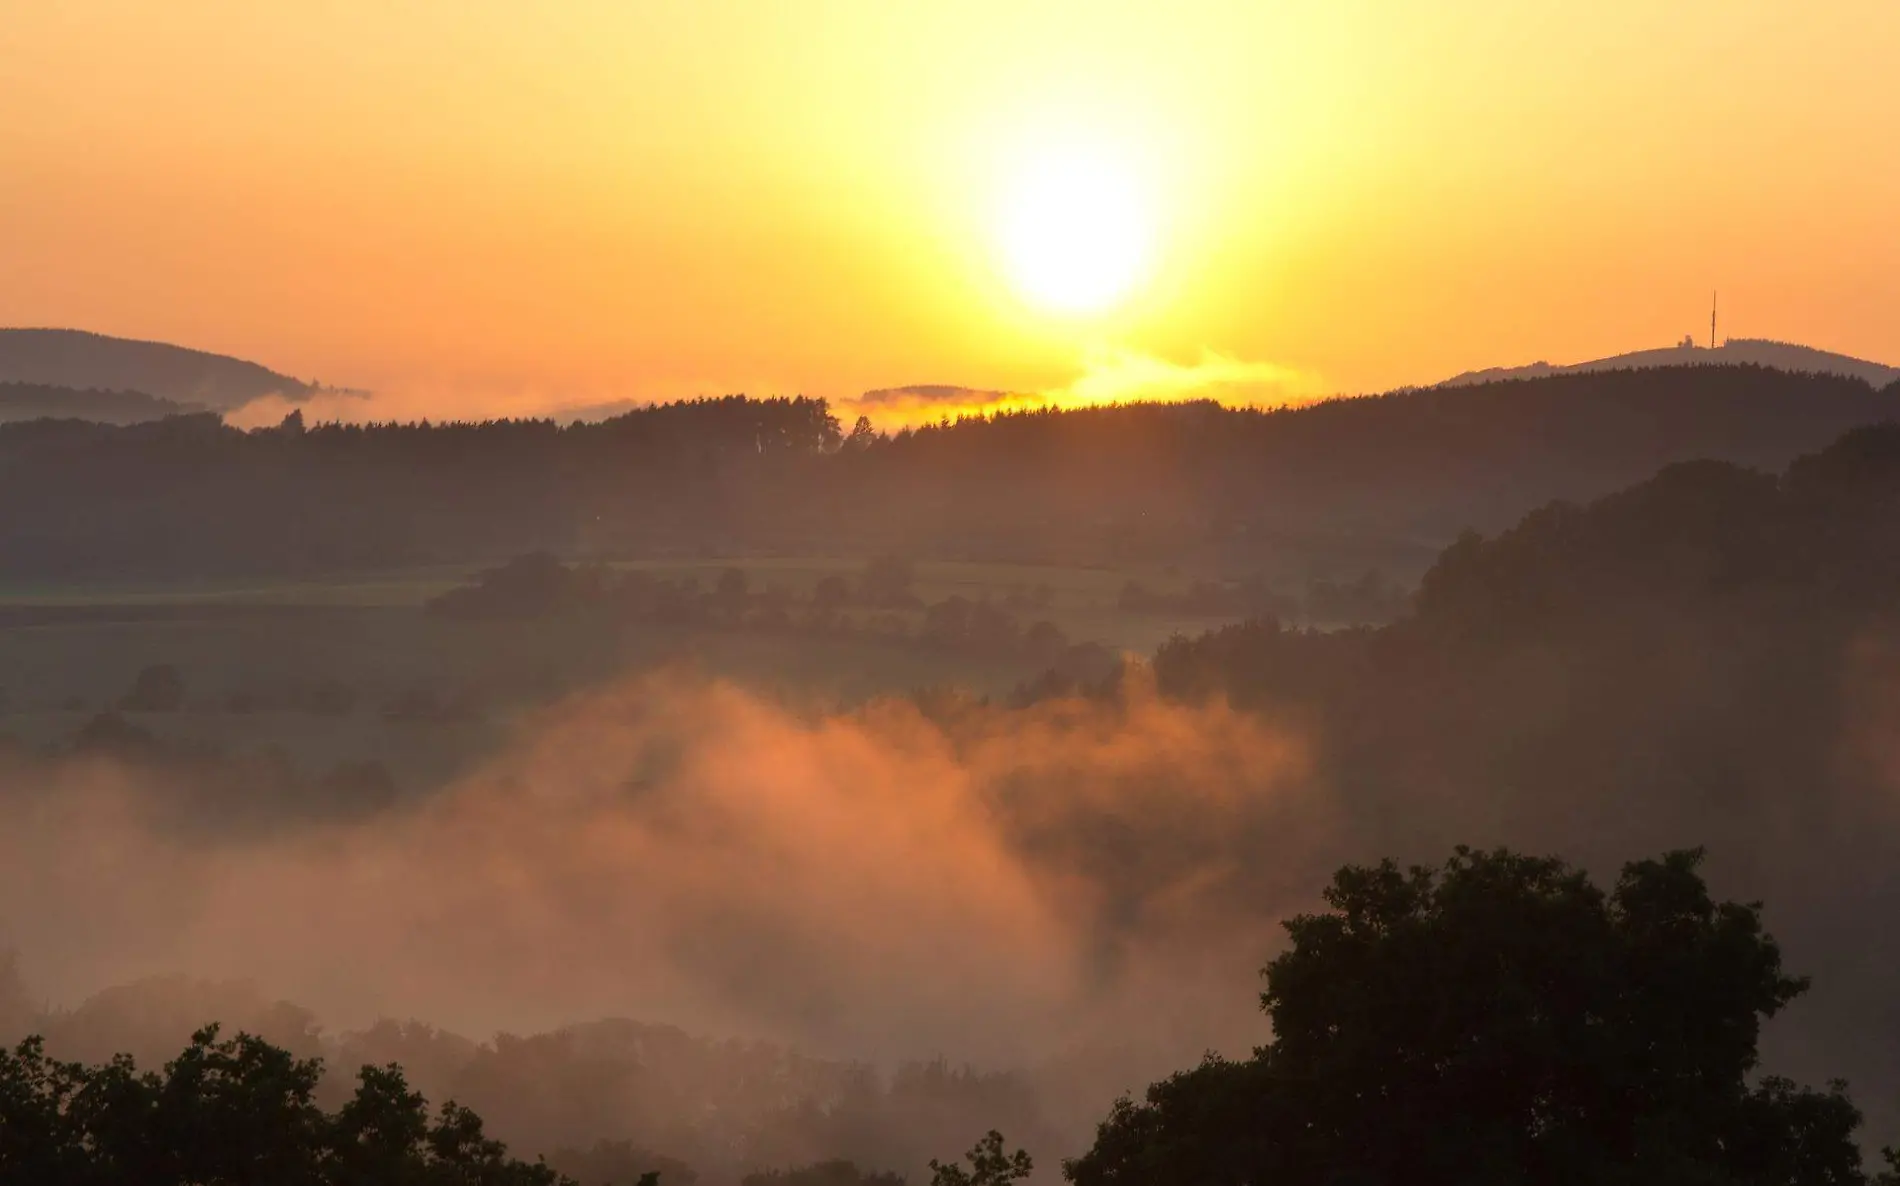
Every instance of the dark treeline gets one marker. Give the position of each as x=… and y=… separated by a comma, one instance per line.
x=880, y=603
x=34, y=401
x=1367, y=598
x=236, y=1111
x=189, y=495
x=605, y=1102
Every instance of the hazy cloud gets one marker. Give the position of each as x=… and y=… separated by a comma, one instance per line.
x=926, y=394
x=426, y=402
x=1005, y=887
x=1117, y=374
x=1107, y=375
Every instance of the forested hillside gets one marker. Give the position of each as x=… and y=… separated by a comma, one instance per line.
x=78, y=359
x=1377, y=481
x=1707, y=657
x=40, y=401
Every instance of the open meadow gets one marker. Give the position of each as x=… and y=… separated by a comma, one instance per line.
x=355, y=668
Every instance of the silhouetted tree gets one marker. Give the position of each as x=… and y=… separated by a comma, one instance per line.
x=621, y=1163
x=990, y=1165
x=1891, y=1175
x=526, y=587
x=837, y=1172
x=886, y=581
x=234, y=1111
x=862, y=434
x=111, y=734
x=1500, y=1020
x=157, y=688
x=831, y=593
x=732, y=584
x=1044, y=640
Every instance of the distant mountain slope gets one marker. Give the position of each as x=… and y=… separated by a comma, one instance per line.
x=82, y=360
x=1783, y=356
x=40, y=401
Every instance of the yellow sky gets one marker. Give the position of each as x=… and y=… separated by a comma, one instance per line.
x=485, y=204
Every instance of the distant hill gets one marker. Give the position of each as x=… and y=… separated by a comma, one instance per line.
x=40, y=401
x=1782, y=356
x=88, y=361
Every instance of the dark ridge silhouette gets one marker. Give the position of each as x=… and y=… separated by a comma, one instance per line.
x=1784, y=356
x=38, y=401
x=80, y=359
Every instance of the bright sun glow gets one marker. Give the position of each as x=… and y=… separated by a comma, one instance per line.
x=1076, y=232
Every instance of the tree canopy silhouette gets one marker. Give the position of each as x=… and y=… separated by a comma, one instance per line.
x=835, y=1172
x=990, y=1165
x=233, y=1112
x=1500, y=1020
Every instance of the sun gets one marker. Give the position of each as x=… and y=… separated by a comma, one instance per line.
x=1076, y=232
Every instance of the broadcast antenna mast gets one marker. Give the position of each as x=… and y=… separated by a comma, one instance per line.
x=1712, y=320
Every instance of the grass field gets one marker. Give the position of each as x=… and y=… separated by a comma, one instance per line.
x=1083, y=599
x=69, y=652
x=409, y=587
x=57, y=675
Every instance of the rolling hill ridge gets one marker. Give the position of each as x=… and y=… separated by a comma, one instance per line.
x=83, y=360
x=1782, y=356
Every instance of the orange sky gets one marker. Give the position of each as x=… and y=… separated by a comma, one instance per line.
x=479, y=206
